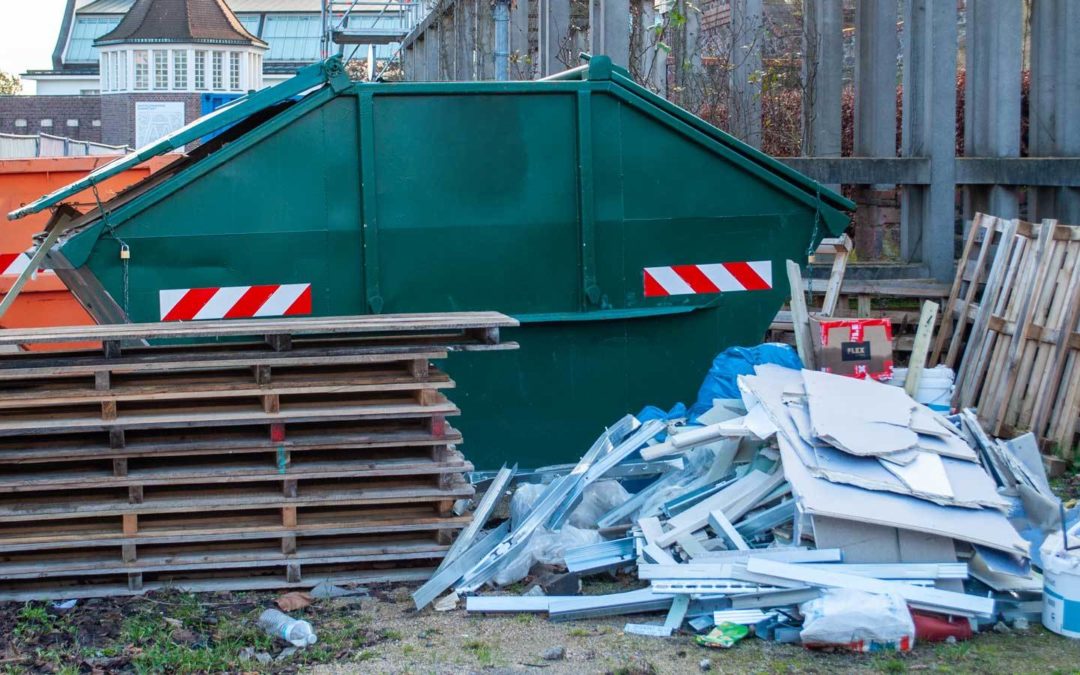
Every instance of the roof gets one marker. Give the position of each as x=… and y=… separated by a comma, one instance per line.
x=188, y=21
x=239, y=6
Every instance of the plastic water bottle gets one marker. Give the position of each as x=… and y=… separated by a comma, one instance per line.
x=279, y=624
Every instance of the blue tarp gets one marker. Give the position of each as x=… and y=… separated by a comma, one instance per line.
x=720, y=382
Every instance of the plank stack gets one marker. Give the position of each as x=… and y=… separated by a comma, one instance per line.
x=1011, y=328
x=231, y=454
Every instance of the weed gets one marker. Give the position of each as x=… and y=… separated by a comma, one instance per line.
x=892, y=666
x=578, y=632
x=390, y=634
x=365, y=655
x=524, y=618
x=141, y=627
x=482, y=652
x=408, y=650
x=33, y=619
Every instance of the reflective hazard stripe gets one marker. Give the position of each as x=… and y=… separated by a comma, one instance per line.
x=235, y=302
x=14, y=264
x=710, y=278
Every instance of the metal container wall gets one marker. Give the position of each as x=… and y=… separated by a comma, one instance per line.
x=545, y=200
x=46, y=301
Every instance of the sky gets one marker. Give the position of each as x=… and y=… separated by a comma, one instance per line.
x=28, y=30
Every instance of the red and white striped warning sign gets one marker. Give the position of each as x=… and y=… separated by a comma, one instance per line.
x=14, y=264
x=714, y=278
x=235, y=302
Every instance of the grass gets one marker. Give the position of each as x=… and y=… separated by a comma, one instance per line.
x=482, y=651
x=208, y=634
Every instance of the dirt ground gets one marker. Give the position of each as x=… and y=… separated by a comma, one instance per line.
x=184, y=633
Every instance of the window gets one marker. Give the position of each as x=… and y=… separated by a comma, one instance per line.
x=234, y=70
x=73, y=123
x=142, y=69
x=122, y=66
x=46, y=122
x=180, y=79
x=161, y=69
x=81, y=41
x=292, y=37
x=250, y=23
x=106, y=72
x=200, y=70
x=20, y=123
x=219, y=68
x=89, y=92
x=96, y=123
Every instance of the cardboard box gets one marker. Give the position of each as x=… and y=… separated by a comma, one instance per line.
x=855, y=347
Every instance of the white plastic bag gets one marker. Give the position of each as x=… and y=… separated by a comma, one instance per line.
x=859, y=621
x=545, y=547
x=598, y=499
x=523, y=500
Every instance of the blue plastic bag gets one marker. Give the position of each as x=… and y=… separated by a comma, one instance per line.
x=720, y=382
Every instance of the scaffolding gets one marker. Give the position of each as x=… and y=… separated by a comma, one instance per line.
x=370, y=24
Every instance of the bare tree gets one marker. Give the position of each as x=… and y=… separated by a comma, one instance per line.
x=10, y=84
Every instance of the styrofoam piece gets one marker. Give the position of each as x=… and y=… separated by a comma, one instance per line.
x=924, y=598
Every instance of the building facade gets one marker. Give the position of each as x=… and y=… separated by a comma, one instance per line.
x=126, y=72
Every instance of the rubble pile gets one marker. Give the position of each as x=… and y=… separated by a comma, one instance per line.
x=781, y=510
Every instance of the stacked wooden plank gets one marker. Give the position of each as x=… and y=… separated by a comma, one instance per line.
x=266, y=454
x=1012, y=329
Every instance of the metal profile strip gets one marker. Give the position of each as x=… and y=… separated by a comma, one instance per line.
x=445, y=578
x=600, y=557
x=707, y=586
x=607, y=462
x=792, y=554
x=591, y=606
x=552, y=498
x=758, y=523
x=480, y=516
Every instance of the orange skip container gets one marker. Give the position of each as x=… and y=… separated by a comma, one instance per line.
x=45, y=301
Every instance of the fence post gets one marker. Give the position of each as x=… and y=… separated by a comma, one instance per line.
x=928, y=212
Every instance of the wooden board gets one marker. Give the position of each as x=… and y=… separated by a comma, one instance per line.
x=204, y=330
x=311, y=446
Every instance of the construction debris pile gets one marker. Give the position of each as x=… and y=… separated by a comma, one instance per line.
x=812, y=492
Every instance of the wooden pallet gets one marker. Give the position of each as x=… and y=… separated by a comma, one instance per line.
x=278, y=453
x=1013, y=315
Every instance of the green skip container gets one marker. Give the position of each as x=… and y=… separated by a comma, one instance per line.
x=632, y=240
